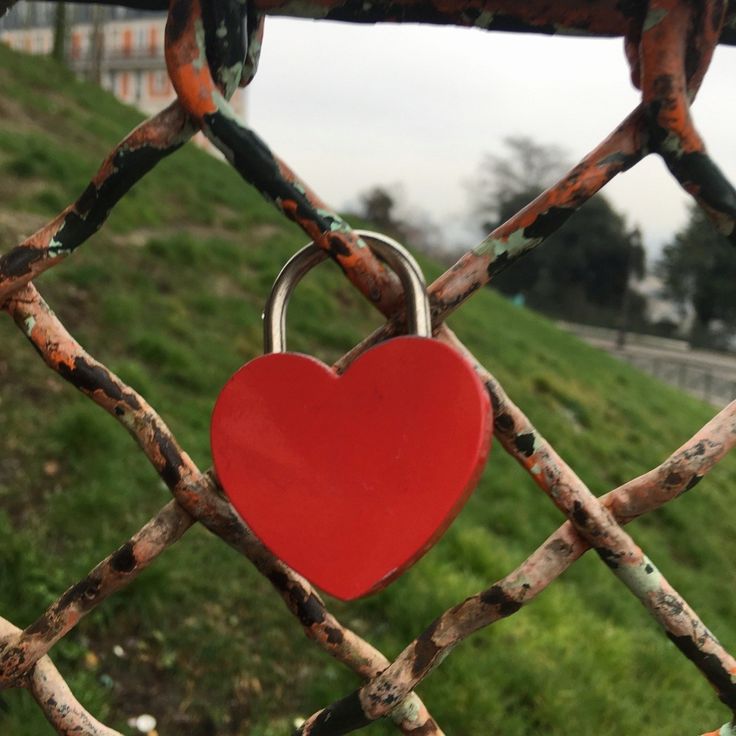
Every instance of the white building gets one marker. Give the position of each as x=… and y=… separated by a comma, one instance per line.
x=130, y=60
x=660, y=309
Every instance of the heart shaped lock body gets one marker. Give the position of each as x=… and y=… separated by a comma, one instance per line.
x=350, y=478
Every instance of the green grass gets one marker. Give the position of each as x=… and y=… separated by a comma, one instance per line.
x=169, y=295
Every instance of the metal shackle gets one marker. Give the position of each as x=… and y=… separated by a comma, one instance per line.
x=419, y=321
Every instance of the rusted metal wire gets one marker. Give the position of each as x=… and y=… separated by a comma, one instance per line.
x=197, y=497
x=212, y=48
x=62, y=710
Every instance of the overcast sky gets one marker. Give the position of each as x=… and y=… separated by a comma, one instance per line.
x=349, y=107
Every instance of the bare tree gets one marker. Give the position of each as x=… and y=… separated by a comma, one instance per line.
x=525, y=168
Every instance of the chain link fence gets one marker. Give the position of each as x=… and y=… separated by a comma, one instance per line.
x=210, y=50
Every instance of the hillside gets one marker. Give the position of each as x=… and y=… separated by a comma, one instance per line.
x=169, y=296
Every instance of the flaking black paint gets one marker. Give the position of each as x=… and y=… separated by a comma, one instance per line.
x=579, y=514
x=341, y=717
x=608, y=556
x=425, y=650
x=255, y=162
x=172, y=460
x=177, y=21
x=498, y=264
x=710, y=666
x=693, y=482
x=548, y=222
x=505, y=423
x=93, y=207
x=714, y=189
x=309, y=610
x=83, y=592
x=18, y=262
x=525, y=444
x=497, y=597
x=334, y=635
x=123, y=560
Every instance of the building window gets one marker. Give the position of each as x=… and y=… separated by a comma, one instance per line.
x=127, y=42
x=76, y=48
x=124, y=85
x=138, y=87
x=158, y=84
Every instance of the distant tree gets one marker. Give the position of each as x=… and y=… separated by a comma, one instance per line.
x=699, y=270
x=97, y=43
x=502, y=181
x=378, y=206
x=383, y=208
x=58, y=50
x=582, y=271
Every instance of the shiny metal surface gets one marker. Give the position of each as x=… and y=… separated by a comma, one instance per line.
x=418, y=318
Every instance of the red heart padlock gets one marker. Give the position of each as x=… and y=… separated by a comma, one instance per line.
x=350, y=478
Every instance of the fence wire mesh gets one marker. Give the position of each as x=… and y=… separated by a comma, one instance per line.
x=669, y=45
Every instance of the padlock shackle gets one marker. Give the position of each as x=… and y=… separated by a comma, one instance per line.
x=419, y=321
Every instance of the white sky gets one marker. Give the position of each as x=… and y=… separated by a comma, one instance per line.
x=350, y=106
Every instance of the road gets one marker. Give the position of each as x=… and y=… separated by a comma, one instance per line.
x=708, y=375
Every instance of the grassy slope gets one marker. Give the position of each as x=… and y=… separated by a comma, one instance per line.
x=169, y=296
